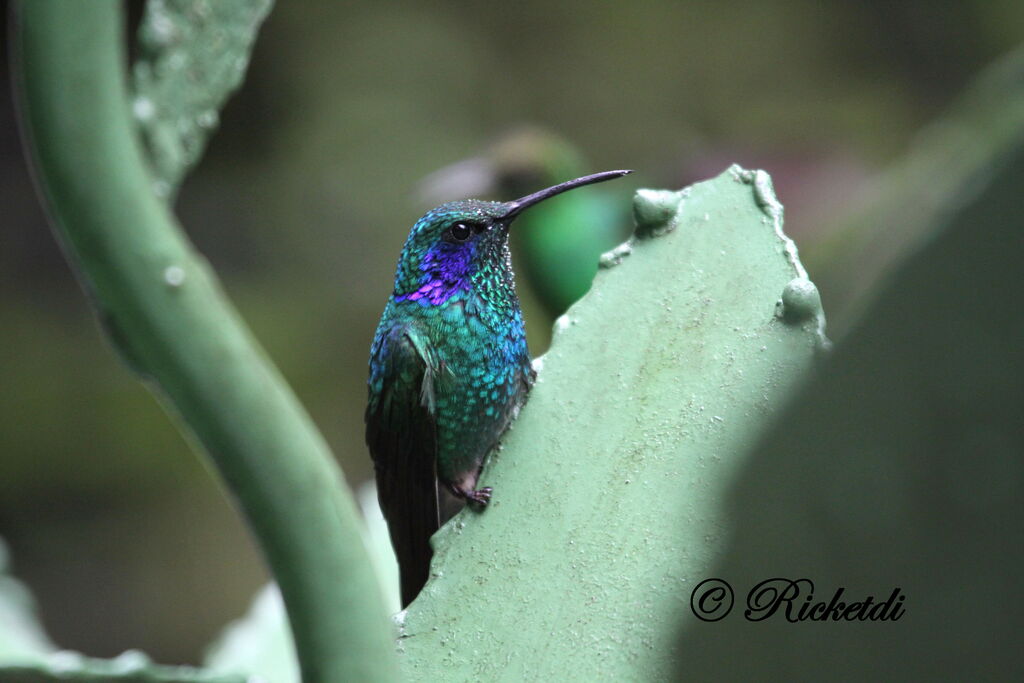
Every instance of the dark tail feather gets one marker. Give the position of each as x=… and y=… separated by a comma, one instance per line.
x=408, y=497
x=414, y=540
x=410, y=536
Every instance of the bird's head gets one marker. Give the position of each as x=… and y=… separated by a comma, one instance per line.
x=462, y=244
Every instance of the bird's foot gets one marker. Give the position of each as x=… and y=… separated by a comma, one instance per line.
x=478, y=498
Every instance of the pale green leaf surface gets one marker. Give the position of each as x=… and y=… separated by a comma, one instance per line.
x=607, y=493
x=259, y=644
x=129, y=667
x=22, y=638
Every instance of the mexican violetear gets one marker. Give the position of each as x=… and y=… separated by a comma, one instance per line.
x=449, y=368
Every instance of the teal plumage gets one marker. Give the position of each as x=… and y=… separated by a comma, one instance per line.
x=449, y=368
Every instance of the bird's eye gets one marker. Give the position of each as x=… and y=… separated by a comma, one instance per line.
x=460, y=232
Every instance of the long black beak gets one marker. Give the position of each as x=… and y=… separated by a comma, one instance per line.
x=516, y=207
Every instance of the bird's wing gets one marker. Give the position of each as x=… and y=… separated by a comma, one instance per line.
x=400, y=431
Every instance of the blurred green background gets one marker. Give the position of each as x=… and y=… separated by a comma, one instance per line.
x=306, y=194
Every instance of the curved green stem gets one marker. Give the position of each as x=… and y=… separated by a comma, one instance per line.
x=168, y=316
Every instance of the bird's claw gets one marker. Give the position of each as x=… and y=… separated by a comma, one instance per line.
x=479, y=497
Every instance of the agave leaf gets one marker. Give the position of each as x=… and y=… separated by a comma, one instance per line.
x=607, y=493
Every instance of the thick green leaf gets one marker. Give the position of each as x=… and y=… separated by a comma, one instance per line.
x=130, y=667
x=22, y=638
x=899, y=209
x=27, y=655
x=166, y=313
x=607, y=493
x=193, y=56
x=899, y=466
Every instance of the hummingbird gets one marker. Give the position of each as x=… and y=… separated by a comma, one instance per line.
x=449, y=369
